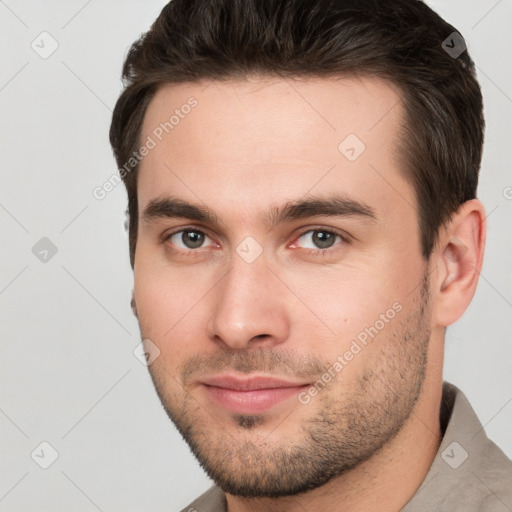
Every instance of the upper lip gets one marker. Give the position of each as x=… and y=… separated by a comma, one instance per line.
x=250, y=383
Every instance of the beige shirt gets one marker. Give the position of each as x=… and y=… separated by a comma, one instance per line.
x=469, y=473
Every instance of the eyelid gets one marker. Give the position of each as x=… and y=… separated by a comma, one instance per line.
x=166, y=236
x=345, y=237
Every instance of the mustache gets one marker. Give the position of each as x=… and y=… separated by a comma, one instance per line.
x=261, y=360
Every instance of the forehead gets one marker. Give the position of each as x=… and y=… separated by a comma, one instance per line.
x=259, y=142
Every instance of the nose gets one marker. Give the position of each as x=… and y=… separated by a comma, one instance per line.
x=250, y=308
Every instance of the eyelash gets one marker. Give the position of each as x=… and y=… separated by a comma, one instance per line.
x=315, y=252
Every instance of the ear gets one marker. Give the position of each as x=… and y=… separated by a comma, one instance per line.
x=459, y=257
x=134, y=305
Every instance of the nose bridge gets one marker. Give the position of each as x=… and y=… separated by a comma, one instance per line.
x=247, y=307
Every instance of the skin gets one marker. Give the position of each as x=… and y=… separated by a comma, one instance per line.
x=366, y=440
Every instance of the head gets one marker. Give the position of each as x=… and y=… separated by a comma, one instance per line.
x=301, y=182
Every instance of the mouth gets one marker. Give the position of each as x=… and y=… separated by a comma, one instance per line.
x=250, y=395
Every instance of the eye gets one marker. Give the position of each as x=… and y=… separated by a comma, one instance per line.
x=188, y=239
x=318, y=239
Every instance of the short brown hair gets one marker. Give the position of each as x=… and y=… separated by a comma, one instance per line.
x=402, y=41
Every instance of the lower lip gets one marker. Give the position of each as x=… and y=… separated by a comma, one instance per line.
x=250, y=402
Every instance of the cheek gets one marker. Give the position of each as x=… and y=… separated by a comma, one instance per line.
x=353, y=320
x=338, y=304
x=170, y=308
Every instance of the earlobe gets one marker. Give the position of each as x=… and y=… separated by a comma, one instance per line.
x=460, y=258
x=134, y=306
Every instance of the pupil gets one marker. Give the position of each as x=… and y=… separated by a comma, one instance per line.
x=323, y=239
x=192, y=239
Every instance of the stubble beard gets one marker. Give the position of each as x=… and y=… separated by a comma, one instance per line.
x=346, y=428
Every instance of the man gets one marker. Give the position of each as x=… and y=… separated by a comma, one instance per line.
x=303, y=227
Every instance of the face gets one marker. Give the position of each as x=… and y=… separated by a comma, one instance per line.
x=279, y=276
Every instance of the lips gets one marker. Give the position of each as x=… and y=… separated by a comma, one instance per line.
x=250, y=383
x=250, y=395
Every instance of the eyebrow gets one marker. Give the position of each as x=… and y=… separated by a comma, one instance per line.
x=332, y=206
x=170, y=207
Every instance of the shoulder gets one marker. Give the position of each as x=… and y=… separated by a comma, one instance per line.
x=212, y=500
x=470, y=472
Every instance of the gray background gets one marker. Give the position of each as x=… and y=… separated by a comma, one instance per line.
x=68, y=373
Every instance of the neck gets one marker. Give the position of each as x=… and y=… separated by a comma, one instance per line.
x=386, y=481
